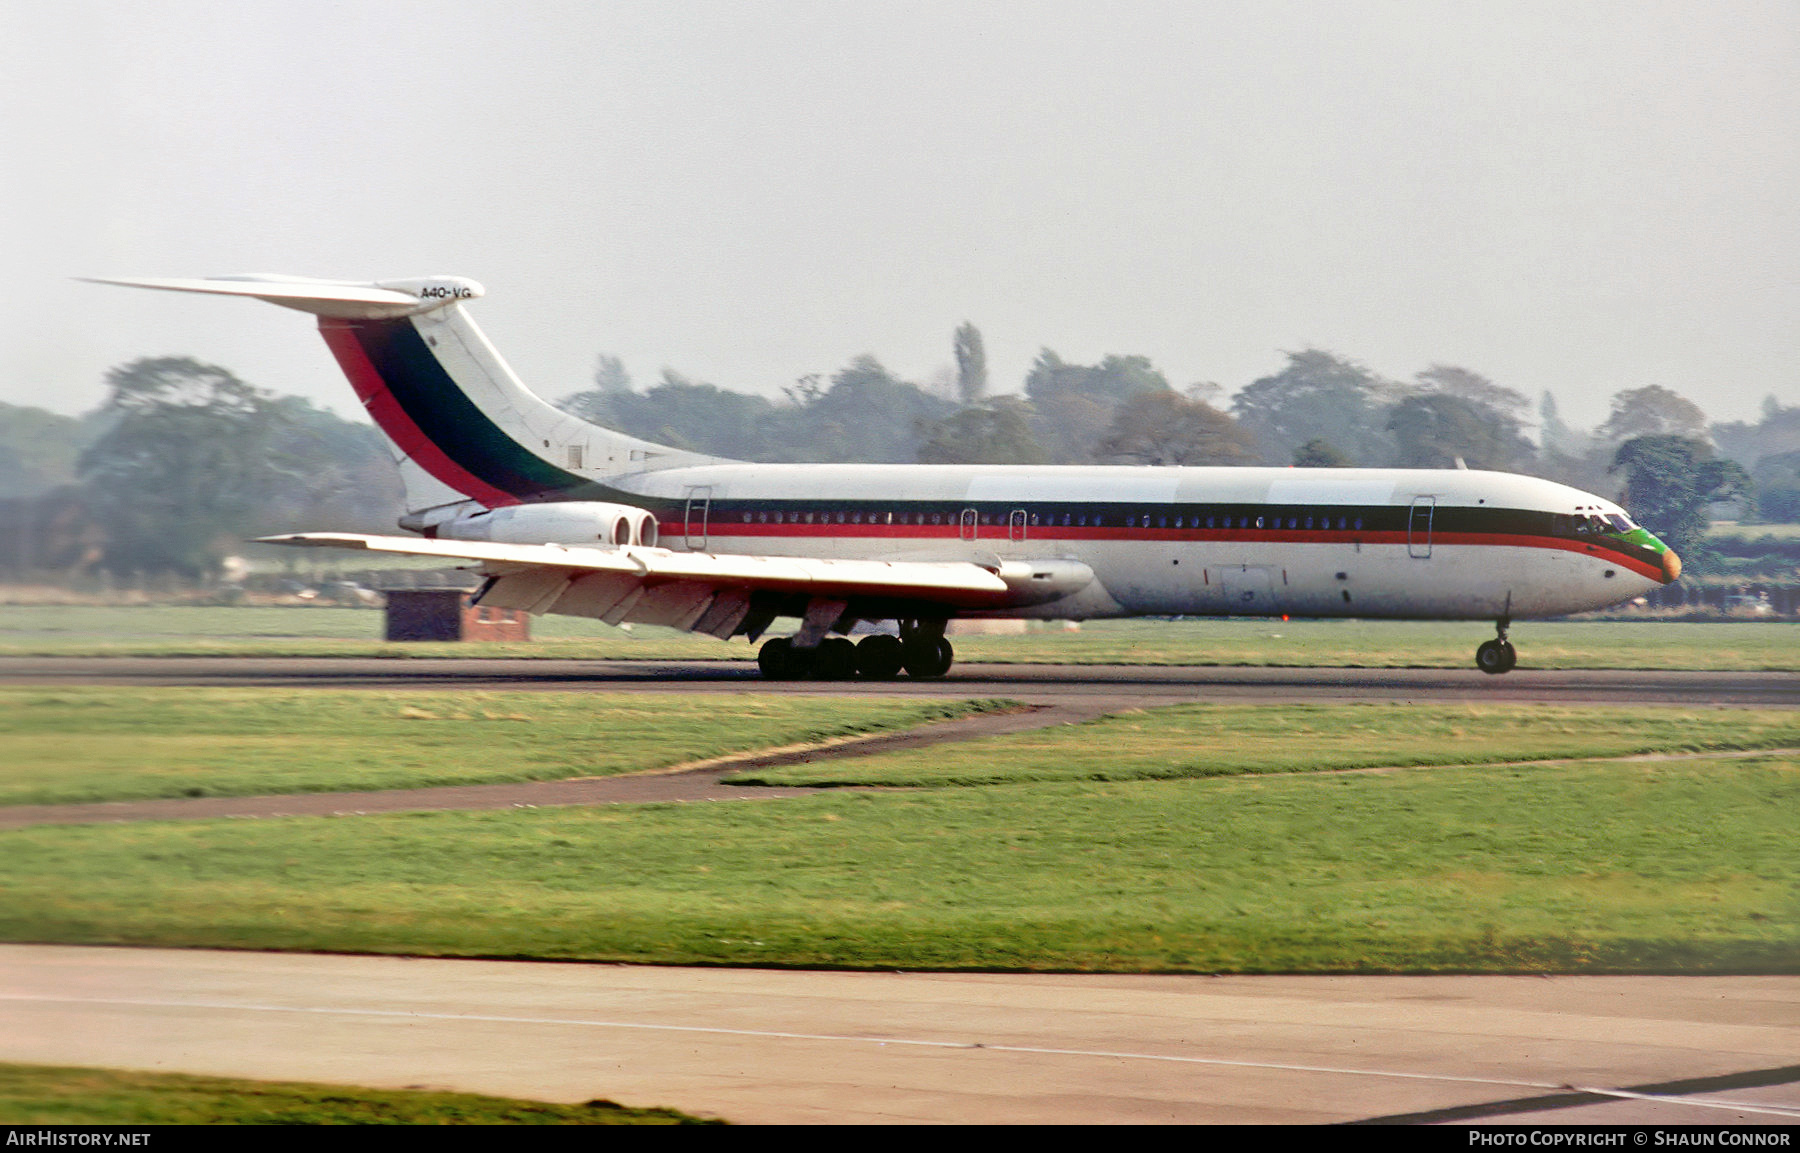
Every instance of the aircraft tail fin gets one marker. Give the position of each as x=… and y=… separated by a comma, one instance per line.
x=459, y=422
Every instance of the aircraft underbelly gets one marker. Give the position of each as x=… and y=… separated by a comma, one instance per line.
x=1266, y=579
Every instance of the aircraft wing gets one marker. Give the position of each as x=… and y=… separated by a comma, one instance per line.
x=709, y=592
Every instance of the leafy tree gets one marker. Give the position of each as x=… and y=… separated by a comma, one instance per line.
x=1320, y=453
x=1075, y=402
x=1652, y=411
x=1448, y=380
x=1777, y=478
x=325, y=473
x=971, y=364
x=1164, y=428
x=998, y=432
x=1319, y=395
x=1557, y=438
x=1569, y=455
x=610, y=375
x=596, y=405
x=684, y=413
x=868, y=414
x=1435, y=429
x=38, y=448
x=1114, y=379
x=55, y=531
x=179, y=473
x=1669, y=482
x=1776, y=434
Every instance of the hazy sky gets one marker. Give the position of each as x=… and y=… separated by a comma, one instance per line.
x=1581, y=197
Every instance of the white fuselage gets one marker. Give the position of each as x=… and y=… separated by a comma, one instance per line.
x=1179, y=541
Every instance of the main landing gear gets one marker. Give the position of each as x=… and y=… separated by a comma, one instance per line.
x=920, y=650
x=1498, y=655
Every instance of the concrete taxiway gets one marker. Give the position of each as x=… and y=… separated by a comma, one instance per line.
x=764, y=1046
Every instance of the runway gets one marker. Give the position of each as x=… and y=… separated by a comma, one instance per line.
x=764, y=1046
x=1134, y=685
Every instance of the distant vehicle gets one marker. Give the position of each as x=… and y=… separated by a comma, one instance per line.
x=1749, y=604
x=563, y=516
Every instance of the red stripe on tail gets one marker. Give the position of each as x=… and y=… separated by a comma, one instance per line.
x=372, y=390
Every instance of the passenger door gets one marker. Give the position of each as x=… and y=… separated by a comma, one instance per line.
x=1418, y=527
x=699, y=500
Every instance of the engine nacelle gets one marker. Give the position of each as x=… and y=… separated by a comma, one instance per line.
x=583, y=522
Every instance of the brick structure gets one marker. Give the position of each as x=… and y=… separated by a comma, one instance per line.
x=445, y=614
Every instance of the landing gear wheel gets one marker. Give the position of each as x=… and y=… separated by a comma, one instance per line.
x=834, y=660
x=779, y=660
x=926, y=656
x=1496, y=656
x=880, y=657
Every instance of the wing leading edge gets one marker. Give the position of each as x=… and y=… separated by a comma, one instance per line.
x=720, y=595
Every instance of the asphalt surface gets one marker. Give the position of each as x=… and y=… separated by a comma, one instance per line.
x=766, y=1046
x=1137, y=684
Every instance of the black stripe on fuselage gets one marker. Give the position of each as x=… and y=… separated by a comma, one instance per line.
x=1121, y=520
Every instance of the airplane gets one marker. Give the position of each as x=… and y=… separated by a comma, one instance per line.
x=563, y=516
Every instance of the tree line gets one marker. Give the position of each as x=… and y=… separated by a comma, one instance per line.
x=178, y=466
x=183, y=460
x=1655, y=450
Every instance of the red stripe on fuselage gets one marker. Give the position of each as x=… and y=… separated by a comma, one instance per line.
x=340, y=337
x=951, y=534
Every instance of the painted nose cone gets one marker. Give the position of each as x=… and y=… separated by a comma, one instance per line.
x=1671, y=567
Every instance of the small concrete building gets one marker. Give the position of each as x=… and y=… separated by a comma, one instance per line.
x=445, y=614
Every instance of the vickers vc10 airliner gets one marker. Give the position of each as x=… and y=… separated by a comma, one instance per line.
x=563, y=516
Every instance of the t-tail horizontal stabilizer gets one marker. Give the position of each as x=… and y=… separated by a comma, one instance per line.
x=344, y=299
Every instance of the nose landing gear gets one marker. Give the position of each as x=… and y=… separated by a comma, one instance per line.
x=1498, y=655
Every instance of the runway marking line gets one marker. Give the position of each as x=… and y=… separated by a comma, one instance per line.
x=231, y=1006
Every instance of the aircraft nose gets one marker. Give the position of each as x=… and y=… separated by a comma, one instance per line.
x=1671, y=566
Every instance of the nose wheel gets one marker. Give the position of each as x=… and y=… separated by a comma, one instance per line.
x=1498, y=655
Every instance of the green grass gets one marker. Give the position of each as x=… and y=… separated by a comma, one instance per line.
x=1597, y=867
x=52, y=1095
x=1230, y=740
x=315, y=631
x=1060, y=850
x=57, y=630
x=1401, y=644
x=88, y=744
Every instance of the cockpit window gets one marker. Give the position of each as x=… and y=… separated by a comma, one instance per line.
x=1620, y=523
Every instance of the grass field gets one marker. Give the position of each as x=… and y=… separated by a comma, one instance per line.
x=312, y=630
x=1601, y=867
x=104, y=744
x=73, y=630
x=1223, y=740
x=1685, y=865
x=51, y=1095
x=1401, y=644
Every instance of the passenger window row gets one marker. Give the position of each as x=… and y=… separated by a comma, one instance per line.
x=1316, y=521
